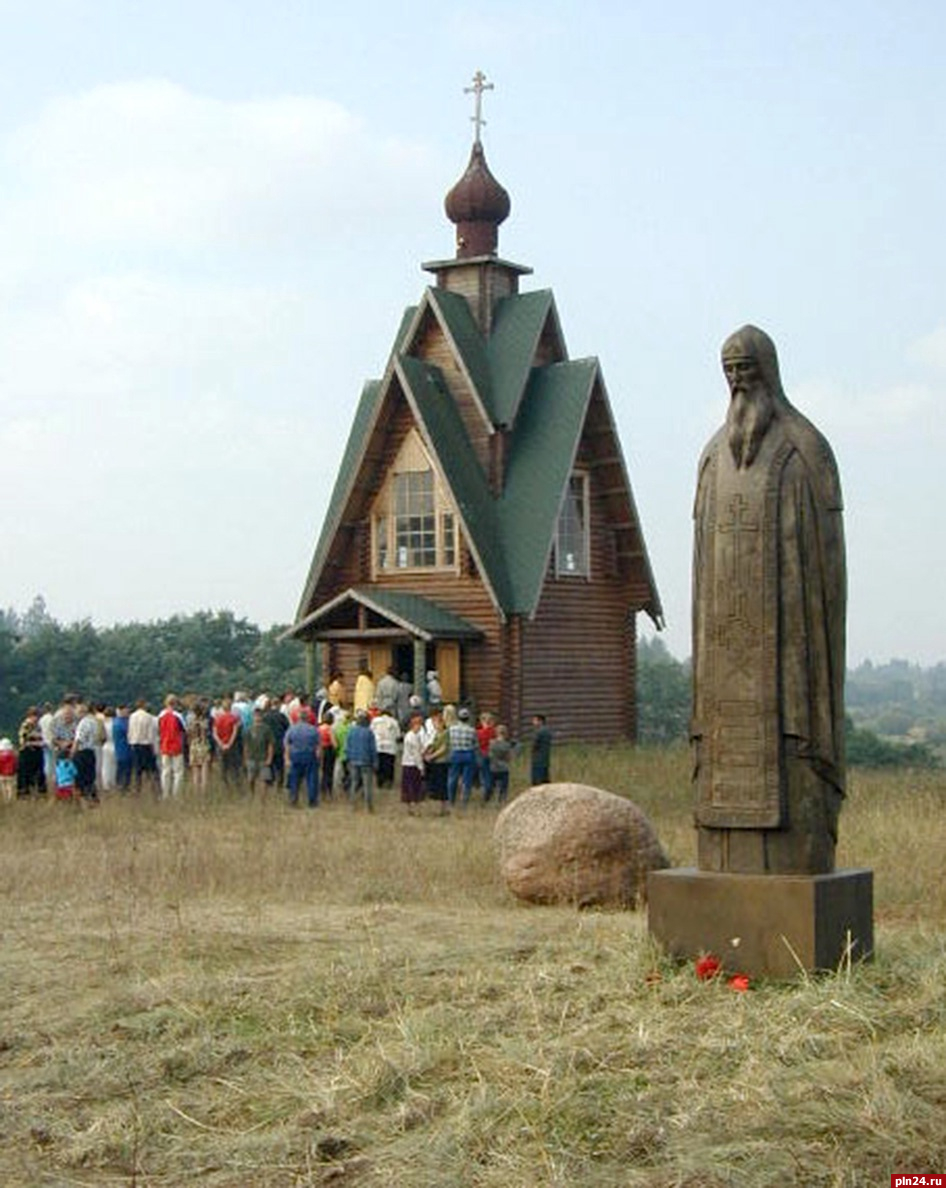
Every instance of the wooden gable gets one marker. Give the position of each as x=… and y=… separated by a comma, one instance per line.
x=613, y=504
x=433, y=341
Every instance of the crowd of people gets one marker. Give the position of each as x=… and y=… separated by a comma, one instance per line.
x=329, y=747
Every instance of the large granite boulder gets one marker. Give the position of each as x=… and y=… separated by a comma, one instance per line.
x=568, y=843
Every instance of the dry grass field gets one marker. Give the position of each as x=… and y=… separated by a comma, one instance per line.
x=224, y=991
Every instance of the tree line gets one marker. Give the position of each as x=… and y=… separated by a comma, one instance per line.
x=212, y=652
x=908, y=700
x=899, y=699
x=208, y=652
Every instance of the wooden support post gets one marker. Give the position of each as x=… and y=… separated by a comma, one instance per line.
x=310, y=667
x=325, y=661
x=420, y=669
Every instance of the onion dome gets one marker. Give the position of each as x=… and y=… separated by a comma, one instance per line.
x=477, y=204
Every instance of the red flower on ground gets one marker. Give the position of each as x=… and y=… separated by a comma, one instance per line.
x=707, y=967
x=738, y=982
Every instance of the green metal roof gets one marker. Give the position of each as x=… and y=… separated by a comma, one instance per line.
x=415, y=614
x=344, y=482
x=544, y=409
x=518, y=323
x=455, y=313
x=419, y=615
x=348, y=467
x=539, y=463
x=511, y=535
x=440, y=422
x=364, y=417
x=407, y=320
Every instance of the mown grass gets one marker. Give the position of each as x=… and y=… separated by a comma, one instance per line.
x=226, y=992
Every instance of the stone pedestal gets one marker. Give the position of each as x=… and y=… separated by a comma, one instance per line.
x=764, y=925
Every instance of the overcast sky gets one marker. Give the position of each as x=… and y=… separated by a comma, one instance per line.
x=213, y=213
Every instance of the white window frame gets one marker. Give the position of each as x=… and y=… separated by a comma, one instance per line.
x=574, y=561
x=413, y=459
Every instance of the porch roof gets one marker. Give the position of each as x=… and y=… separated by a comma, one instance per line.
x=411, y=613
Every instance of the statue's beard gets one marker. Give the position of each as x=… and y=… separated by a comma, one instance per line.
x=751, y=412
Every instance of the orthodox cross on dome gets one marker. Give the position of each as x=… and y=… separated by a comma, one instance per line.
x=479, y=86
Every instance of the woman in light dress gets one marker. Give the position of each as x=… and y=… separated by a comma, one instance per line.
x=198, y=744
x=108, y=770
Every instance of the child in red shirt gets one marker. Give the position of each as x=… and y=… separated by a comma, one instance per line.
x=485, y=733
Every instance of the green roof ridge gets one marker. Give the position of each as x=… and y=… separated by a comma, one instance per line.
x=544, y=410
x=344, y=482
x=518, y=321
x=420, y=611
x=460, y=468
x=469, y=343
x=407, y=319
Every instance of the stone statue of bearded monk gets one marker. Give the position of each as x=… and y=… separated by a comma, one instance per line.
x=768, y=630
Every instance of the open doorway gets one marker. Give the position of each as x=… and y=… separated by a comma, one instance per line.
x=402, y=658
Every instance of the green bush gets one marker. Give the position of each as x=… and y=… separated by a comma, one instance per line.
x=866, y=749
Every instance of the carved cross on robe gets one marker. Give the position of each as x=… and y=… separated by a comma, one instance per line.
x=738, y=631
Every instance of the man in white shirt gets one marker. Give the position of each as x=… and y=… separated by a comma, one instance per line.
x=141, y=736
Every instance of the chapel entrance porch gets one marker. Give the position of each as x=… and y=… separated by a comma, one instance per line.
x=386, y=628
